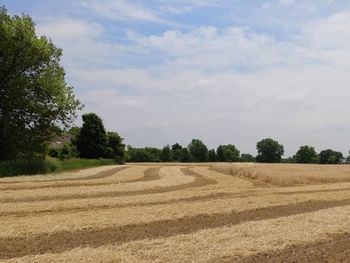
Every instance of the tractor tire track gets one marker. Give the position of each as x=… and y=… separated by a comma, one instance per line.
x=208, y=197
x=335, y=249
x=99, y=175
x=149, y=175
x=198, y=182
x=256, y=183
x=213, y=196
x=76, y=182
x=12, y=247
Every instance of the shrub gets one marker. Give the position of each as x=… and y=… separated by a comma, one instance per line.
x=27, y=167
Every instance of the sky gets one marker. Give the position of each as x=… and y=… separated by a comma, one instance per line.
x=226, y=72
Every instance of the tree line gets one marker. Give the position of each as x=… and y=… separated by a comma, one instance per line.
x=269, y=151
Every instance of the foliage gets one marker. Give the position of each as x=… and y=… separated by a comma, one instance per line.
x=247, y=158
x=347, y=160
x=92, y=139
x=330, y=157
x=74, y=131
x=35, y=98
x=175, y=152
x=165, y=155
x=185, y=156
x=146, y=154
x=227, y=153
x=212, y=156
x=306, y=154
x=73, y=164
x=115, y=147
x=26, y=167
x=198, y=150
x=93, y=142
x=49, y=165
x=288, y=160
x=269, y=151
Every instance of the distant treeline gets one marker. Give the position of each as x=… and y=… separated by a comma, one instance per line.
x=269, y=151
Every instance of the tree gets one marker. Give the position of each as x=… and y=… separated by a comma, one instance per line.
x=212, y=156
x=185, y=156
x=330, y=157
x=91, y=142
x=34, y=97
x=227, y=153
x=348, y=158
x=175, y=152
x=115, y=147
x=269, y=151
x=165, y=155
x=74, y=131
x=198, y=151
x=306, y=154
x=247, y=158
x=147, y=154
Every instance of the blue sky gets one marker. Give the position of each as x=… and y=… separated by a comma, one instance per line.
x=161, y=72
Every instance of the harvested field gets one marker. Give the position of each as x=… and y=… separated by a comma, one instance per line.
x=178, y=213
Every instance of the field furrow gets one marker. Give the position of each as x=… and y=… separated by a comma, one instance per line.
x=173, y=181
x=95, y=237
x=175, y=213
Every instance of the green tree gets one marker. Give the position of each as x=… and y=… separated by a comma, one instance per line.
x=91, y=142
x=115, y=147
x=147, y=154
x=247, y=158
x=175, y=152
x=306, y=154
x=330, y=157
x=67, y=151
x=348, y=158
x=269, y=151
x=227, y=153
x=198, y=151
x=165, y=155
x=220, y=153
x=185, y=156
x=34, y=97
x=74, y=131
x=212, y=156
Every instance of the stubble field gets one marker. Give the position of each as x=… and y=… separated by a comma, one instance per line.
x=178, y=213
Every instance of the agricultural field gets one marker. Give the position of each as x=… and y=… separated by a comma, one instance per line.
x=178, y=213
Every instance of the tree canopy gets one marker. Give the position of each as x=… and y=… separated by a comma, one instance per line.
x=165, y=155
x=92, y=139
x=34, y=97
x=306, y=154
x=212, y=157
x=198, y=150
x=269, y=151
x=227, y=153
x=330, y=157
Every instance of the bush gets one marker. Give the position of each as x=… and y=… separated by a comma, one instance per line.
x=27, y=167
x=147, y=154
x=44, y=166
x=247, y=158
x=72, y=164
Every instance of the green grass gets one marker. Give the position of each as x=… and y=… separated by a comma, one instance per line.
x=49, y=165
x=73, y=164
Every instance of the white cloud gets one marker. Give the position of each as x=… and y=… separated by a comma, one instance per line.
x=81, y=40
x=67, y=28
x=286, y=2
x=224, y=85
x=330, y=33
x=122, y=10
